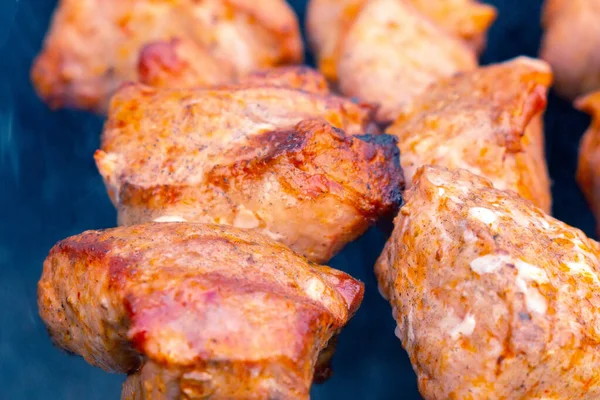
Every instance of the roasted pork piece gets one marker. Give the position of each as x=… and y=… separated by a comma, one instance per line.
x=488, y=121
x=570, y=44
x=494, y=299
x=387, y=51
x=194, y=310
x=93, y=45
x=292, y=164
x=588, y=170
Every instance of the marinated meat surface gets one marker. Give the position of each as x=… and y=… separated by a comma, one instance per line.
x=194, y=310
x=93, y=46
x=494, y=299
x=292, y=164
x=174, y=64
x=387, y=51
x=570, y=44
x=588, y=169
x=488, y=121
x=466, y=19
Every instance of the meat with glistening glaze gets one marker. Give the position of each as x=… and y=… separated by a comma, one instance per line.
x=291, y=164
x=488, y=121
x=194, y=310
x=494, y=299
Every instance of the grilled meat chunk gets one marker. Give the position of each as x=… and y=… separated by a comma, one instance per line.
x=193, y=310
x=570, y=44
x=93, y=46
x=289, y=163
x=387, y=51
x=488, y=121
x=588, y=169
x=493, y=298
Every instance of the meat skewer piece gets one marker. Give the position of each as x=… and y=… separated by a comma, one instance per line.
x=388, y=51
x=93, y=46
x=289, y=163
x=192, y=310
x=570, y=44
x=493, y=297
x=588, y=169
x=488, y=121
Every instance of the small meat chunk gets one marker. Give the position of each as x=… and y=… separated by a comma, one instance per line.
x=570, y=44
x=295, y=165
x=194, y=310
x=93, y=46
x=588, y=169
x=494, y=299
x=488, y=121
x=388, y=51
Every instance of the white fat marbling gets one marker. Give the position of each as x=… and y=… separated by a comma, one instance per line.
x=489, y=263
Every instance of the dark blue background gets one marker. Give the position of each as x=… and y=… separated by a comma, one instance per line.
x=50, y=189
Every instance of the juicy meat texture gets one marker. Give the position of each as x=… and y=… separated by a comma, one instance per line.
x=387, y=51
x=488, y=121
x=93, y=46
x=292, y=164
x=588, y=169
x=194, y=310
x=570, y=44
x=494, y=299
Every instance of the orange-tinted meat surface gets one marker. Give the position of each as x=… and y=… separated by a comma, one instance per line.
x=570, y=44
x=289, y=163
x=494, y=299
x=588, y=170
x=488, y=121
x=194, y=310
x=388, y=51
x=94, y=45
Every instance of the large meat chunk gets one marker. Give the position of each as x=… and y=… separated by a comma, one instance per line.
x=388, y=51
x=494, y=299
x=570, y=44
x=94, y=45
x=195, y=310
x=588, y=169
x=292, y=164
x=488, y=121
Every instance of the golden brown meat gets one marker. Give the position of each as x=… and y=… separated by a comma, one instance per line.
x=494, y=299
x=466, y=19
x=93, y=45
x=194, y=310
x=278, y=160
x=173, y=65
x=487, y=121
x=386, y=51
x=570, y=44
x=588, y=170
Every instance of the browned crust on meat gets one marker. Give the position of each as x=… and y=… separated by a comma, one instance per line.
x=152, y=296
x=321, y=159
x=291, y=163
